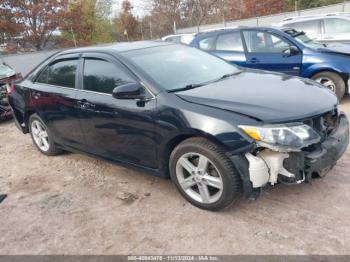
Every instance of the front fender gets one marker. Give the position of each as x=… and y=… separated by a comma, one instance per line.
x=216, y=125
x=229, y=142
x=317, y=68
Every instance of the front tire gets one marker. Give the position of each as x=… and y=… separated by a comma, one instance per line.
x=332, y=81
x=204, y=175
x=42, y=136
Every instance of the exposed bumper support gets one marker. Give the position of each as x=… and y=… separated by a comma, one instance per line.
x=268, y=167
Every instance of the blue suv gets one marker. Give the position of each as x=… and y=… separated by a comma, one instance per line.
x=281, y=50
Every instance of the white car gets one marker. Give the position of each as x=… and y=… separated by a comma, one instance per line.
x=326, y=28
x=179, y=38
x=187, y=38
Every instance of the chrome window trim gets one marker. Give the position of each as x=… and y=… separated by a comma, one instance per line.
x=56, y=59
x=88, y=91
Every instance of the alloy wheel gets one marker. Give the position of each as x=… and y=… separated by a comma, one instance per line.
x=199, y=178
x=327, y=83
x=40, y=135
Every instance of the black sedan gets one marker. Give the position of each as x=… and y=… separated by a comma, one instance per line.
x=215, y=129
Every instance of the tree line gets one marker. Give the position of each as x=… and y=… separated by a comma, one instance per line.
x=39, y=24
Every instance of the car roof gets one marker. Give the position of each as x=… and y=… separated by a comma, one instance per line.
x=118, y=47
x=232, y=29
x=313, y=17
x=219, y=28
x=179, y=35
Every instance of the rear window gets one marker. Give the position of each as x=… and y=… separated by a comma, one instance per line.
x=207, y=44
x=230, y=42
x=61, y=73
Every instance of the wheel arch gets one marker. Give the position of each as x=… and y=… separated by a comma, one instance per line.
x=165, y=151
x=26, y=116
x=312, y=72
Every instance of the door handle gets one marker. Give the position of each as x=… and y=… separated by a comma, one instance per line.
x=36, y=95
x=254, y=60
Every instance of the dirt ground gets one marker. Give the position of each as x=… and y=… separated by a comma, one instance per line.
x=74, y=204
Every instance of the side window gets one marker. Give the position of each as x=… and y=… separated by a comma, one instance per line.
x=311, y=27
x=43, y=75
x=207, y=44
x=263, y=42
x=336, y=26
x=175, y=39
x=61, y=73
x=230, y=42
x=102, y=76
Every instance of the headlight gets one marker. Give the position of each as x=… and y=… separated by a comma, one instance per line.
x=291, y=137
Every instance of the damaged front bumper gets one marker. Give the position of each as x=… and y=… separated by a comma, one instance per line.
x=266, y=166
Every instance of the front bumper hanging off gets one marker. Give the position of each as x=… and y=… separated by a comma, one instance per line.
x=270, y=167
x=331, y=150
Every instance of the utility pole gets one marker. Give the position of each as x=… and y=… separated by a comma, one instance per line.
x=126, y=34
x=150, y=29
x=142, y=31
x=296, y=5
x=75, y=42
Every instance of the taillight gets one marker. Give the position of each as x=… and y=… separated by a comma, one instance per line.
x=11, y=88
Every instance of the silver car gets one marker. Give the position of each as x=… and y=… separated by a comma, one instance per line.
x=179, y=38
x=326, y=28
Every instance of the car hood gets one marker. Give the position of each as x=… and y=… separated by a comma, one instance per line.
x=271, y=98
x=342, y=49
x=6, y=71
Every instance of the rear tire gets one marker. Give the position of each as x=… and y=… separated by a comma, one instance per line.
x=332, y=81
x=42, y=137
x=204, y=175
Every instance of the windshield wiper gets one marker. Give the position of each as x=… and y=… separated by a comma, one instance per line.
x=227, y=76
x=187, y=87
x=192, y=86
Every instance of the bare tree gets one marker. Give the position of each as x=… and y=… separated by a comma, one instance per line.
x=196, y=12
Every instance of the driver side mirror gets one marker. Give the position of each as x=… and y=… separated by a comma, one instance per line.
x=129, y=91
x=292, y=51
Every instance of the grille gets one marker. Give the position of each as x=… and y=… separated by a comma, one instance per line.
x=324, y=124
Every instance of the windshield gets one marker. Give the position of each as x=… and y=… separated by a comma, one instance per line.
x=301, y=37
x=176, y=67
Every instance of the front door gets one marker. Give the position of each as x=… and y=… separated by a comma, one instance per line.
x=117, y=129
x=267, y=51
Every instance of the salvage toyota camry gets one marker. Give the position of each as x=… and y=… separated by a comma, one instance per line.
x=218, y=131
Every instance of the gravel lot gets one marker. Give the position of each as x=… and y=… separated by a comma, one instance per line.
x=74, y=204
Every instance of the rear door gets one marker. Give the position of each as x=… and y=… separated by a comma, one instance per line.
x=116, y=129
x=268, y=51
x=229, y=46
x=53, y=95
x=336, y=30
